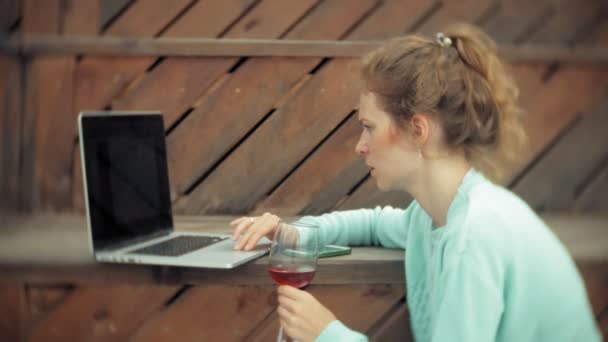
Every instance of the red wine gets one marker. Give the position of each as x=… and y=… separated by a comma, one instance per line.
x=297, y=277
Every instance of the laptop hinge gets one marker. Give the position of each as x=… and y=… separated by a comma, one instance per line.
x=137, y=240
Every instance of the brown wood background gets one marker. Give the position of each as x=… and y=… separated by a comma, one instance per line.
x=267, y=134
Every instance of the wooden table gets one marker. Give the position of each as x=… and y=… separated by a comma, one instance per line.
x=54, y=249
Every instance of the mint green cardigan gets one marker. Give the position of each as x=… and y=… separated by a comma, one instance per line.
x=494, y=272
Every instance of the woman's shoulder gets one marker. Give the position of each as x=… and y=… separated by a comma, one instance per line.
x=492, y=217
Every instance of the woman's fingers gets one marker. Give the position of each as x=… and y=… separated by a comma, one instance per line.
x=238, y=220
x=241, y=225
x=252, y=229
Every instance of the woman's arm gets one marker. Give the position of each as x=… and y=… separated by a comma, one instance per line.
x=385, y=226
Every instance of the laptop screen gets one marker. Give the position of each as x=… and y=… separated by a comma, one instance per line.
x=126, y=176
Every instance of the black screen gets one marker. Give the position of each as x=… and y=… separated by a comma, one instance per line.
x=126, y=175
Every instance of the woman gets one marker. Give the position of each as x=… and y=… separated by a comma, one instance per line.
x=480, y=264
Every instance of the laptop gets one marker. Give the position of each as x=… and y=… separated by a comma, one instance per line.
x=127, y=196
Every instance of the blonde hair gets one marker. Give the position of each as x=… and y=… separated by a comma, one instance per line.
x=460, y=79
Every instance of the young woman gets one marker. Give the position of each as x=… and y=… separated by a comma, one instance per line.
x=480, y=264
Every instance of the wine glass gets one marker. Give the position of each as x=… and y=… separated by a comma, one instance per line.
x=293, y=255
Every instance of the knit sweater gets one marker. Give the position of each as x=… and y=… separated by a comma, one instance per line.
x=494, y=272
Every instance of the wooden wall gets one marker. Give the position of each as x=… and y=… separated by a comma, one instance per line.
x=255, y=134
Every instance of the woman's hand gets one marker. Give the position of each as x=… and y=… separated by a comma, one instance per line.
x=301, y=314
x=252, y=229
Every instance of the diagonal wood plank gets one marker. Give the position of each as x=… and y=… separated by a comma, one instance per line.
x=262, y=160
x=593, y=198
x=389, y=19
x=248, y=95
x=42, y=300
x=373, y=301
x=10, y=11
x=516, y=19
x=99, y=79
x=596, y=283
x=210, y=313
x=110, y=9
x=470, y=11
x=572, y=90
x=81, y=17
x=10, y=131
x=102, y=313
x=174, y=86
x=41, y=17
x=575, y=155
x=567, y=22
x=325, y=177
x=396, y=327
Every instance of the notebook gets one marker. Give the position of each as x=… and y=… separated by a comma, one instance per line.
x=128, y=201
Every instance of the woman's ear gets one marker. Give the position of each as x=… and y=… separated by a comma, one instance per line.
x=420, y=128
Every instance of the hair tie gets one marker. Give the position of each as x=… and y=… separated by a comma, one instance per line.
x=442, y=40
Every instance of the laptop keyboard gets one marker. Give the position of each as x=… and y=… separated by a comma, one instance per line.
x=179, y=245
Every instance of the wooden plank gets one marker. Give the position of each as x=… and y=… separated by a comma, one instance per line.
x=41, y=17
x=594, y=198
x=396, y=327
x=262, y=160
x=10, y=11
x=516, y=19
x=10, y=131
x=205, y=47
x=368, y=196
x=596, y=283
x=110, y=9
x=12, y=312
x=569, y=92
x=249, y=94
x=55, y=121
x=470, y=11
x=42, y=300
x=373, y=302
x=177, y=83
x=102, y=313
x=323, y=179
x=567, y=22
x=99, y=79
x=389, y=19
x=211, y=313
x=81, y=17
x=575, y=155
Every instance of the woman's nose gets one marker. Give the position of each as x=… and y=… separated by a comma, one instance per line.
x=361, y=148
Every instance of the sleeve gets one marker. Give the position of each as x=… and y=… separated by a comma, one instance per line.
x=336, y=331
x=471, y=303
x=387, y=226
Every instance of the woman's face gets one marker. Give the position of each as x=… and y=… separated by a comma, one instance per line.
x=389, y=153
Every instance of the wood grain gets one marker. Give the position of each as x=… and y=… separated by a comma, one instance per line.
x=10, y=128
x=259, y=84
x=211, y=313
x=102, y=313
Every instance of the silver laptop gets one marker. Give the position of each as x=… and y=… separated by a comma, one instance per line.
x=127, y=196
